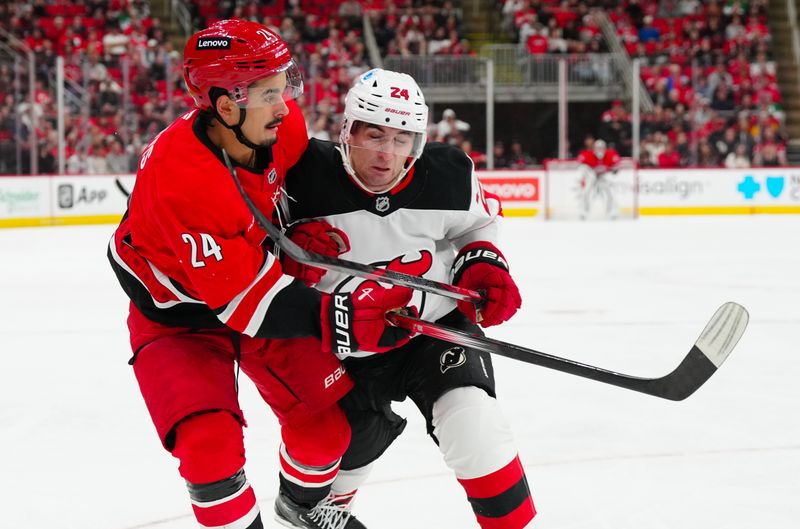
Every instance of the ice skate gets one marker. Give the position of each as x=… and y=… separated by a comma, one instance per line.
x=333, y=512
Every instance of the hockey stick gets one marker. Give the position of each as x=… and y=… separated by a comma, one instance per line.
x=706, y=355
x=352, y=268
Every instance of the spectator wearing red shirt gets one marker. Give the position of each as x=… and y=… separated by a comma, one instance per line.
x=537, y=43
x=478, y=158
x=615, y=113
x=670, y=158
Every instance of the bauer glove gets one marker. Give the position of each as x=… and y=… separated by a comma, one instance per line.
x=357, y=321
x=480, y=266
x=314, y=236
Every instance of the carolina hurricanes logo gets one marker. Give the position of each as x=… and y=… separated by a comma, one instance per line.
x=451, y=358
x=416, y=267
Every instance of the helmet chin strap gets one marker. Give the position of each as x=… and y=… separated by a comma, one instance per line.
x=237, y=129
x=344, y=150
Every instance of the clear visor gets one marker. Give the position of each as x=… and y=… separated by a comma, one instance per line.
x=386, y=141
x=284, y=85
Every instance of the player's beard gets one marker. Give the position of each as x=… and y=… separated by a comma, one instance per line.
x=271, y=141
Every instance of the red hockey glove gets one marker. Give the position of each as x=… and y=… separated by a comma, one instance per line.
x=481, y=266
x=358, y=321
x=315, y=236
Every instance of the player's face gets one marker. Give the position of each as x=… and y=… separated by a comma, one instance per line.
x=378, y=154
x=266, y=108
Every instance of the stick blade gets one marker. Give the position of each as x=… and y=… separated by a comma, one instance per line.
x=714, y=345
x=723, y=332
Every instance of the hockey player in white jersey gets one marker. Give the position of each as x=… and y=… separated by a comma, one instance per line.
x=385, y=197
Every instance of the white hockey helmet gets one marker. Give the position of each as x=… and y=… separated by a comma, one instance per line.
x=387, y=99
x=599, y=147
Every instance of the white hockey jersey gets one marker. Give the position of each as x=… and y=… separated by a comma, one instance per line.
x=416, y=228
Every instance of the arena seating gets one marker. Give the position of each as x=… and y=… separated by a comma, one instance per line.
x=707, y=67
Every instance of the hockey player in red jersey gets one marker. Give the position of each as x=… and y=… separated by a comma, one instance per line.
x=208, y=297
x=597, y=164
x=416, y=208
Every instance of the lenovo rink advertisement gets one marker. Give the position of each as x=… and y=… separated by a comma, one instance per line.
x=97, y=199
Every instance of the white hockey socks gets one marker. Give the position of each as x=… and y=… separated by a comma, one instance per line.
x=477, y=444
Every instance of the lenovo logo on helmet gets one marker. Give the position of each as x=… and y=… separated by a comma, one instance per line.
x=394, y=111
x=213, y=43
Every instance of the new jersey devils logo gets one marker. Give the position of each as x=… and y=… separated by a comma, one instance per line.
x=451, y=358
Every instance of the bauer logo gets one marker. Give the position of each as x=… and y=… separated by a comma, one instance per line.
x=213, y=43
x=453, y=357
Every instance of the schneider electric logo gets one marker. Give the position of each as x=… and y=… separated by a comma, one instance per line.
x=775, y=186
x=19, y=201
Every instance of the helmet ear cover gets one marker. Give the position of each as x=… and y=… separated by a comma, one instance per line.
x=214, y=94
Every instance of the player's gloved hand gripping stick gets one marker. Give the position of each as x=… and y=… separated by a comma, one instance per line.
x=715, y=343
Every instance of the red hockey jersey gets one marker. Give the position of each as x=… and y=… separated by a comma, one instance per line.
x=609, y=160
x=188, y=251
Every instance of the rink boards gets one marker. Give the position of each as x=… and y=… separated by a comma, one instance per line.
x=98, y=199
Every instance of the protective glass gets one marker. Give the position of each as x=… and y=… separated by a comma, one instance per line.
x=273, y=91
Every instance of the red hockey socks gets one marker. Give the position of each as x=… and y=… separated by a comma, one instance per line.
x=501, y=500
x=305, y=485
x=211, y=453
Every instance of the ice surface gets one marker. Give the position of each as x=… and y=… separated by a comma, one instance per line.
x=77, y=450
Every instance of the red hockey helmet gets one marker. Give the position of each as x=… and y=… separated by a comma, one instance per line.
x=233, y=54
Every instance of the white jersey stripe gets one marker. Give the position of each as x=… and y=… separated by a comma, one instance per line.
x=261, y=311
x=234, y=303
x=164, y=280
x=121, y=263
x=242, y=523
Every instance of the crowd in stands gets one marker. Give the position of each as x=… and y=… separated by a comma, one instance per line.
x=327, y=41
x=124, y=76
x=552, y=26
x=707, y=67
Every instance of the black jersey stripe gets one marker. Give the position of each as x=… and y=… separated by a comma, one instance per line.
x=503, y=503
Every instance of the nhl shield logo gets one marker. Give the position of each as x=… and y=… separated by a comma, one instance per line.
x=382, y=204
x=451, y=358
x=272, y=176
